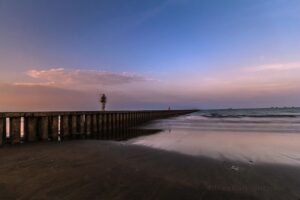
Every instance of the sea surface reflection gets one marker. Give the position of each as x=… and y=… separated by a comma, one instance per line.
x=252, y=138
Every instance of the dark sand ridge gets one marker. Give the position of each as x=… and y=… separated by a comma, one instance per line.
x=93, y=169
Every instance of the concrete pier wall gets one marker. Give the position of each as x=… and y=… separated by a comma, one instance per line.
x=49, y=126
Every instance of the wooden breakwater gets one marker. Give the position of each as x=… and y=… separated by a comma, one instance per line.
x=20, y=127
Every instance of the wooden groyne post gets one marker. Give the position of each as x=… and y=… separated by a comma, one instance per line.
x=19, y=127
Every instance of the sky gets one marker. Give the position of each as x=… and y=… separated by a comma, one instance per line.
x=150, y=54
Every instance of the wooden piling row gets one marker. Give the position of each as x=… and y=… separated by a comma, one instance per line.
x=2, y=129
x=49, y=126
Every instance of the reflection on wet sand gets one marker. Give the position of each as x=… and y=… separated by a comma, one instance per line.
x=269, y=141
x=246, y=147
x=115, y=134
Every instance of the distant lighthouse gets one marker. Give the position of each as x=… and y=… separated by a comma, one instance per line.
x=103, y=101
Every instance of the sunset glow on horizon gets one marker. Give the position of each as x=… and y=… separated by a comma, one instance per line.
x=61, y=55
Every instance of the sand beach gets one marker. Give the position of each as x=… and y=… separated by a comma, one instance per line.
x=95, y=169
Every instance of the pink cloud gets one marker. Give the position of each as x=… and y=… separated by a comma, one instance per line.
x=67, y=77
x=34, y=84
x=277, y=66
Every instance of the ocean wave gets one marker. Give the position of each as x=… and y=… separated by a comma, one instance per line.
x=218, y=115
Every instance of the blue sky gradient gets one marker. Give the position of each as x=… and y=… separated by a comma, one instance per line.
x=174, y=45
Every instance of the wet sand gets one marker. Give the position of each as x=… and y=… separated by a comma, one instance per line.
x=93, y=169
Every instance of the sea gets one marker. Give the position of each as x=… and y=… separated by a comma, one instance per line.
x=254, y=136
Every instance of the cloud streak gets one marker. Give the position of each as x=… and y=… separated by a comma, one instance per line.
x=68, y=77
x=277, y=67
